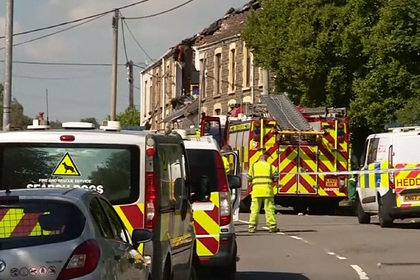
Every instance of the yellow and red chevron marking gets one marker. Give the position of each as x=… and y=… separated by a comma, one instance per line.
x=306, y=183
x=406, y=180
x=207, y=226
x=15, y=223
x=132, y=217
x=341, y=155
x=269, y=143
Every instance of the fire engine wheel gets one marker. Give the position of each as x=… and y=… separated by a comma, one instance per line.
x=385, y=220
x=362, y=216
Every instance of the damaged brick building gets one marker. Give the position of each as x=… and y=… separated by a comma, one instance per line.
x=219, y=60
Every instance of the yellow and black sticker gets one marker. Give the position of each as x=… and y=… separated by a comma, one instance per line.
x=66, y=167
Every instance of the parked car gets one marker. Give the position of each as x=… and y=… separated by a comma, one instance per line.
x=54, y=233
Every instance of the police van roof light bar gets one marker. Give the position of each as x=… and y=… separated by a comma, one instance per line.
x=110, y=126
x=78, y=125
x=38, y=125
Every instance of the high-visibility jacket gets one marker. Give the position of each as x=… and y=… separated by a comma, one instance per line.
x=261, y=176
x=226, y=164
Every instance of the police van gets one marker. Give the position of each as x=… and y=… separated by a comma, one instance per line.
x=390, y=195
x=212, y=204
x=144, y=174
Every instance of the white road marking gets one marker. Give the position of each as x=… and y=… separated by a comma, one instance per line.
x=360, y=272
x=296, y=237
x=337, y=256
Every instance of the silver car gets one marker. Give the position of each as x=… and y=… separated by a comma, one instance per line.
x=66, y=234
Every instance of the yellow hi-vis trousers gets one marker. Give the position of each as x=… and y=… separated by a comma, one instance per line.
x=270, y=212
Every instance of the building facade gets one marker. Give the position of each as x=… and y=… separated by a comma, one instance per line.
x=217, y=76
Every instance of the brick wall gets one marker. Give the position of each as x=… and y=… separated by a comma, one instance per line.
x=240, y=93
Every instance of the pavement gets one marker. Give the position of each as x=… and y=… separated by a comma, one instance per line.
x=328, y=247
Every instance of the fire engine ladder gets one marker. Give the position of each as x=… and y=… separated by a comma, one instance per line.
x=288, y=118
x=285, y=113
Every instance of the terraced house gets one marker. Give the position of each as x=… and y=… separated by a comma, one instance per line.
x=211, y=72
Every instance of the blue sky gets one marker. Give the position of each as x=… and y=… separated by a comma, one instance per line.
x=77, y=91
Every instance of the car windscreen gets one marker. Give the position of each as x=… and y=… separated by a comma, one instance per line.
x=38, y=222
x=202, y=164
x=111, y=170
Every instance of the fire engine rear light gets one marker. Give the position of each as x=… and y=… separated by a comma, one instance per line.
x=150, y=200
x=67, y=138
x=225, y=209
x=83, y=260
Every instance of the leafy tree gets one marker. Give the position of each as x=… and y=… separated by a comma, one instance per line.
x=18, y=118
x=362, y=54
x=114, y=175
x=130, y=117
x=26, y=165
x=91, y=120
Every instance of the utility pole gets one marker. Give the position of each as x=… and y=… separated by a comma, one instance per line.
x=115, y=21
x=266, y=82
x=8, y=60
x=130, y=79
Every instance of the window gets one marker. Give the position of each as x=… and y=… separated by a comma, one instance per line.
x=165, y=175
x=232, y=69
x=177, y=170
x=246, y=67
x=30, y=222
x=110, y=169
x=218, y=74
x=118, y=229
x=260, y=76
x=373, y=149
x=100, y=219
x=202, y=163
x=217, y=111
x=203, y=80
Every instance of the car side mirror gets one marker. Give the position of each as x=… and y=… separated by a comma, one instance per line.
x=234, y=182
x=141, y=236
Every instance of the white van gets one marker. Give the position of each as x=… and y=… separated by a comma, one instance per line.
x=391, y=195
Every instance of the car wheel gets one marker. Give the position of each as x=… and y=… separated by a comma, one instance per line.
x=231, y=270
x=385, y=220
x=362, y=216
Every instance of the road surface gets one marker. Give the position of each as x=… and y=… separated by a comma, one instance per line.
x=327, y=247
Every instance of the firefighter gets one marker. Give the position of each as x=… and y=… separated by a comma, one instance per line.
x=226, y=148
x=261, y=175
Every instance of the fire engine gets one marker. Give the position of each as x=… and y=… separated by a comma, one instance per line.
x=297, y=141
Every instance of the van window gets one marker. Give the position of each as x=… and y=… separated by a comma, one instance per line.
x=172, y=170
x=406, y=149
x=39, y=222
x=372, y=150
x=111, y=170
x=201, y=163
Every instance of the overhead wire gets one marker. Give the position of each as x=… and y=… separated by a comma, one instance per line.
x=76, y=20
x=70, y=63
x=135, y=39
x=162, y=12
x=124, y=43
x=56, y=32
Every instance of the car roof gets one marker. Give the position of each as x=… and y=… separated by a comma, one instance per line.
x=51, y=135
x=200, y=145
x=53, y=193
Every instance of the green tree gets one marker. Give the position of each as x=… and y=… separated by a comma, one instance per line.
x=18, y=119
x=114, y=175
x=362, y=54
x=90, y=120
x=130, y=117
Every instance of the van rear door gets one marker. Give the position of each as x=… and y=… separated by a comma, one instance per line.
x=205, y=187
x=235, y=169
x=407, y=183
